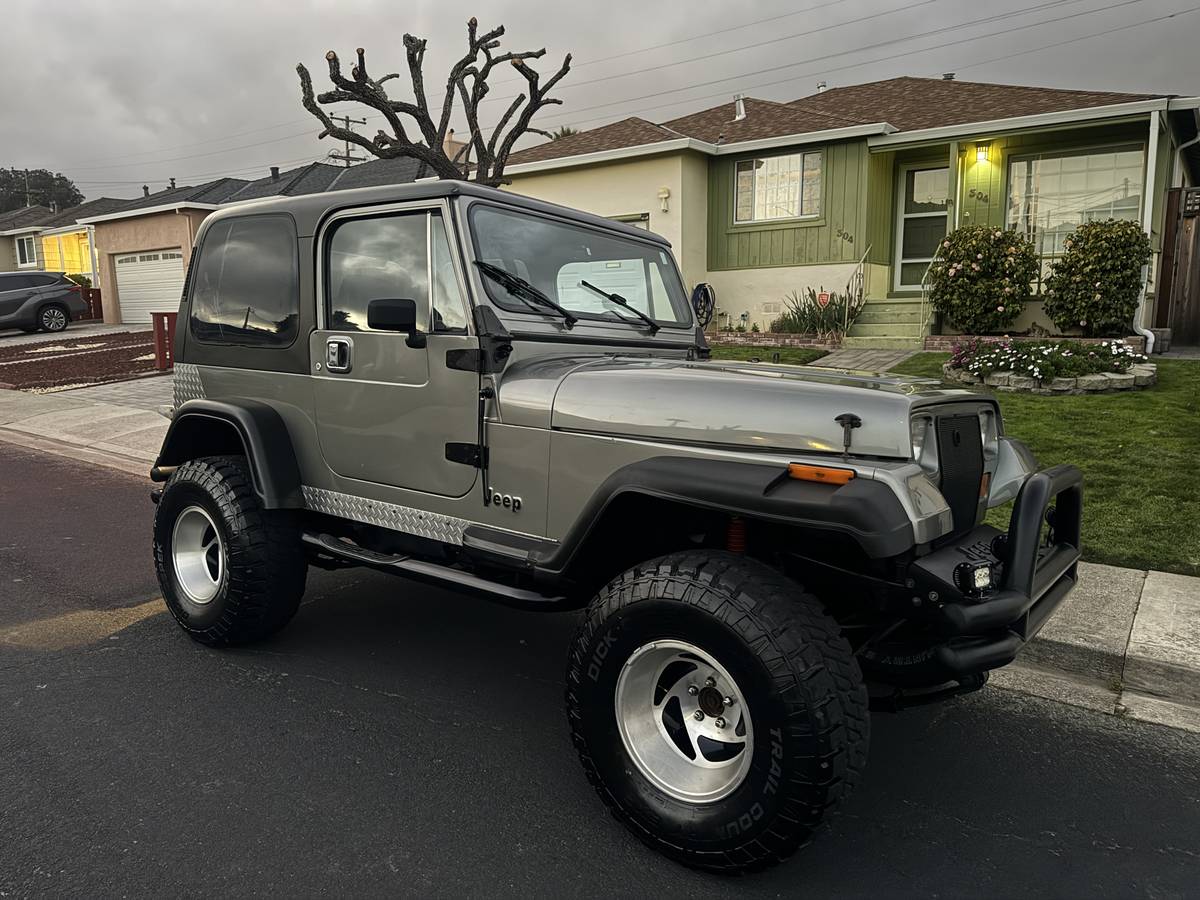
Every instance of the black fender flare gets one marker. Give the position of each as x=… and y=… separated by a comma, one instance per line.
x=264, y=439
x=867, y=511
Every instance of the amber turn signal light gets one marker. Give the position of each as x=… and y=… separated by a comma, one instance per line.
x=984, y=484
x=823, y=474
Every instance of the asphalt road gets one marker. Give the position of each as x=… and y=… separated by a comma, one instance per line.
x=399, y=740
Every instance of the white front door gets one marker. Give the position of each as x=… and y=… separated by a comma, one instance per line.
x=920, y=221
x=148, y=282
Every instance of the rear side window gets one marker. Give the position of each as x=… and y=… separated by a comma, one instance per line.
x=246, y=287
x=15, y=282
x=45, y=280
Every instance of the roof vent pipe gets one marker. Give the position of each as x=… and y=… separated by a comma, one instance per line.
x=739, y=107
x=274, y=173
x=820, y=86
x=947, y=76
x=172, y=183
x=145, y=190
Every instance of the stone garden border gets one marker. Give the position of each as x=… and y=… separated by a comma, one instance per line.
x=1140, y=375
x=770, y=339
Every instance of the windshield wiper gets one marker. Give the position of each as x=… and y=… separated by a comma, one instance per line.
x=623, y=303
x=522, y=289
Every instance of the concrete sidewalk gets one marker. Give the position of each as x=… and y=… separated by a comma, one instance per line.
x=1126, y=641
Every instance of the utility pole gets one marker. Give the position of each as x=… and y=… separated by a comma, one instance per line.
x=347, y=157
x=27, y=201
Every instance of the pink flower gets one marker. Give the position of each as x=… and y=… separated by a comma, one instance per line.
x=999, y=309
x=979, y=256
x=1083, y=321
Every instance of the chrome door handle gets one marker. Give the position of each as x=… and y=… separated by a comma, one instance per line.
x=338, y=352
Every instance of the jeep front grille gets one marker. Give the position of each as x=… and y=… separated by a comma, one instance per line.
x=960, y=461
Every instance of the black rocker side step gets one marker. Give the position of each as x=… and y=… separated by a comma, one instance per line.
x=429, y=572
x=906, y=698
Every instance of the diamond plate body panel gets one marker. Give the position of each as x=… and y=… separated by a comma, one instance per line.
x=447, y=529
x=187, y=383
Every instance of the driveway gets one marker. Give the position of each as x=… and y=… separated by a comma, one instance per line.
x=86, y=328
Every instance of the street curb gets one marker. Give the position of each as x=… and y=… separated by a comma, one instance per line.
x=128, y=465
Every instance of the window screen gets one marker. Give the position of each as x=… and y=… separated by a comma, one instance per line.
x=246, y=285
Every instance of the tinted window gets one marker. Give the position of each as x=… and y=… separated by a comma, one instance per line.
x=557, y=257
x=246, y=285
x=387, y=258
x=44, y=280
x=15, y=282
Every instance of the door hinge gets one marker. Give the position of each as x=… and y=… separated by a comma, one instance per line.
x=467, y=454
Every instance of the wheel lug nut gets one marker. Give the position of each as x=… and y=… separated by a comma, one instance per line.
x=729, y=701
x=693, y=690
x=699, y=715
x=720, y=721
x=709, y=681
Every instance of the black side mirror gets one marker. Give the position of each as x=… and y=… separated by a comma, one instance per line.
x=396, y=315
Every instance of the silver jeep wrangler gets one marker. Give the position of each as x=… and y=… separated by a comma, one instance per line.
x=476, y=390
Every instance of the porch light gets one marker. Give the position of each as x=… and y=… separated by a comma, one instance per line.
x=981, y=152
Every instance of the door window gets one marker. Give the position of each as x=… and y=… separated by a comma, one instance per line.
x=922, y=222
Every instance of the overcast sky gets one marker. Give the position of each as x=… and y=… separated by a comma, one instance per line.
x=137, y=92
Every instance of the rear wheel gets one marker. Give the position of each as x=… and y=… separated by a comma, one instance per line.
x=53, y=318
x=230, y=571
x=716, y=708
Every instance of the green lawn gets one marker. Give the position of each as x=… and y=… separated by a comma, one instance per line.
x=795, y=356
x=1140, y=456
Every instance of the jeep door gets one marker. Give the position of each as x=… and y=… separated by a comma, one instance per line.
x=387, y=405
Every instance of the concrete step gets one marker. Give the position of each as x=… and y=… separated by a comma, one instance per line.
x=878, y=342
x=882, y=316
x=887, y=329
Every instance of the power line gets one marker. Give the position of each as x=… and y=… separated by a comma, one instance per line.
x=854, y=65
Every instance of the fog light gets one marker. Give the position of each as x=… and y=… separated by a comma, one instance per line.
x=973, y=578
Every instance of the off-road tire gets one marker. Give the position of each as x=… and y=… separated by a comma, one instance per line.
x=265, y=570
x=801, y=684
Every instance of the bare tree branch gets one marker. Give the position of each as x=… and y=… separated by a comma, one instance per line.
x=467, y=82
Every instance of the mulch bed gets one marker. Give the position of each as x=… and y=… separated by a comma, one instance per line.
x=62, y=364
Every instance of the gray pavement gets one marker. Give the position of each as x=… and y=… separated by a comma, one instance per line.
x=396, y=740
x=75, y=331
x=863, y=360
x=148, y=393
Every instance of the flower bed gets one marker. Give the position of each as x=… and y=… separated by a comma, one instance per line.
x=947, y=342
x=1050, y=367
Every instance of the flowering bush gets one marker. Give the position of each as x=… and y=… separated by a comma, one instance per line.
x=1044, y=360
x=981, y=277
x=1095, y=286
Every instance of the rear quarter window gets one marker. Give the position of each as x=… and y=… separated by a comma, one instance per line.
x=246, y=285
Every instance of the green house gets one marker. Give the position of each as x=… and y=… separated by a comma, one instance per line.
x=761, y=198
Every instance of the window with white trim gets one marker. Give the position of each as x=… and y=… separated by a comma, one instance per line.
x=26, y=252
x=1052, y=194
x=778, y=187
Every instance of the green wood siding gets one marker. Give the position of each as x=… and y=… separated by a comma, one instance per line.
x=880, y=213
x=844, y=214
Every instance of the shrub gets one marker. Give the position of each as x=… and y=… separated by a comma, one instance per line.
x=804, y=315
x=1096, y=284
x=981, y=276
x=81, y=280
x=1044, y=360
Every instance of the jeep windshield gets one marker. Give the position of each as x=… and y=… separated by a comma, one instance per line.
x=567, y=263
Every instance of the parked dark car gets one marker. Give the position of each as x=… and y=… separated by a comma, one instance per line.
x=39, y=301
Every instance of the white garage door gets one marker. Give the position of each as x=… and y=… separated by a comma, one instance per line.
x=149, y=282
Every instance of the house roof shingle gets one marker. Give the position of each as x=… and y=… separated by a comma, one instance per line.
x=97, y=207
x=764, y=119
x=631, y=132
x=24, y=217
x=905, y=103
x=310, y=179
x=400, y=170
x=911, y=103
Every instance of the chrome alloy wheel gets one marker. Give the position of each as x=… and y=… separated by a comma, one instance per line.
x=683, y=721
x=198, y=554
x=54, y=319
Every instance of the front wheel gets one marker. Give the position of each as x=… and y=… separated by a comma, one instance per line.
x=716, y=708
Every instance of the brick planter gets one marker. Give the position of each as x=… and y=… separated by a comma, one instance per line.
x=1140, y=375
x=946, y=342
x=769, y=339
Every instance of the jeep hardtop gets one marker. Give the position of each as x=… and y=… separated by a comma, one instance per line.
x=473, y=389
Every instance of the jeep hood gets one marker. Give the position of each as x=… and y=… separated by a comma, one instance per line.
x=750, y=405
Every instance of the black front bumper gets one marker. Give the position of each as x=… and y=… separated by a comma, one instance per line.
x=988, y=631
